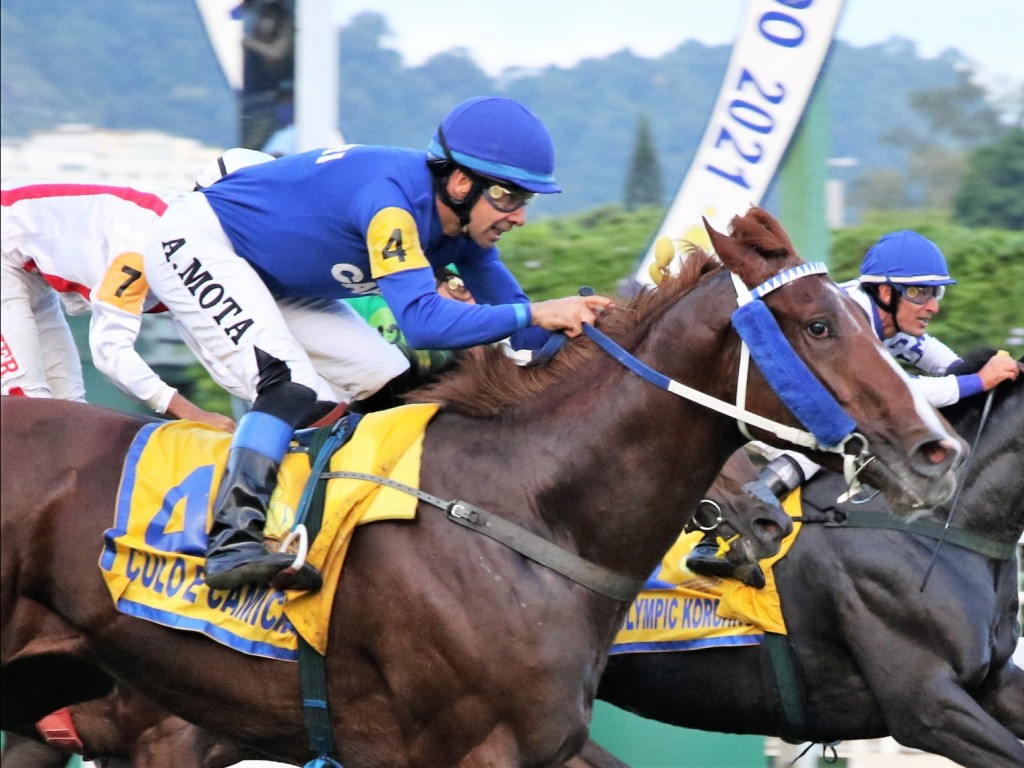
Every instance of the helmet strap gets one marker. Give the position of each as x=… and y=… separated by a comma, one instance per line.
x=461, y=208
x=886, y=306
x=442, y=172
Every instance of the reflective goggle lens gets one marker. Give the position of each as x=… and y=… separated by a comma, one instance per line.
x=456, y=286
x=507, y=200
x=922, y=294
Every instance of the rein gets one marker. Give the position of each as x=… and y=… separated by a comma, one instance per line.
x=960, y=487
x=982, y=545
x=526, y=543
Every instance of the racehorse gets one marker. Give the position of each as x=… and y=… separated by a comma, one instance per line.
x=447, y=648
x=126, y=726
x=879, y=645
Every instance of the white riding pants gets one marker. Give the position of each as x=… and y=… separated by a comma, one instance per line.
x=225, y=312
x=38, y=356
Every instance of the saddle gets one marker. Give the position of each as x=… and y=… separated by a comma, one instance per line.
x=153, y=555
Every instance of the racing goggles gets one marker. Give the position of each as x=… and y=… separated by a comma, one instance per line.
x=921, y=294
x=504, y=199
x=457, y=288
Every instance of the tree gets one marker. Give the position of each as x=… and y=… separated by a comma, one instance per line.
x=992, y=193
x=958, y=119
x=643, y=184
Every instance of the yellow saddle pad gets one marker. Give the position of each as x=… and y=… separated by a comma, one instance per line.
x=153, y=556
x=678, y=610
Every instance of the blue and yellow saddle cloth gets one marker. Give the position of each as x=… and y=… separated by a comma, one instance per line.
x=682, y=611
x=153, y=555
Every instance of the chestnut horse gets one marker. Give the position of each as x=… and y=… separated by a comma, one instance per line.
x=447, y=648
x=880, y=646
x=126, y=726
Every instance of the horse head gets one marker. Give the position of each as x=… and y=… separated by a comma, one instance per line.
x=787, y=306
x=737, y=504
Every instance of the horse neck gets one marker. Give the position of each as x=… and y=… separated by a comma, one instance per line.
x=635, y=459
x=991, y=500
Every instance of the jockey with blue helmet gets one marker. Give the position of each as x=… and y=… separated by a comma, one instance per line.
x=912, y=267
x=902, y=279
x=301, y=232
x=502, y=149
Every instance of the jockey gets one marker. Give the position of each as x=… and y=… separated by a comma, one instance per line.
x=59, y=239
x=902, y=280
x=335, y=223
x=903, y=277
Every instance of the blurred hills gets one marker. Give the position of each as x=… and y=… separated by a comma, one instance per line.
x=149, y=65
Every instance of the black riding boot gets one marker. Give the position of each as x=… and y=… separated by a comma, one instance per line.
x=235, y=553
x=704, y=559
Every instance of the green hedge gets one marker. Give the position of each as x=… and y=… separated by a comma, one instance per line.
x=554, y=257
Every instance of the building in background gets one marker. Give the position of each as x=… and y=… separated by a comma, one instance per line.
x=146, y=159
x=77, y=152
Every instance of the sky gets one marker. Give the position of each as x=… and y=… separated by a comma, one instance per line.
x=532, y=33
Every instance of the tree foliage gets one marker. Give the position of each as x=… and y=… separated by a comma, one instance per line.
x=643, y=183
x=992, y=194
x=554, y=257
x=175, y=86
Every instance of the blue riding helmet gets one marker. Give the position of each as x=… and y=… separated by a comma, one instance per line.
x=498, y=138
x=905, y=258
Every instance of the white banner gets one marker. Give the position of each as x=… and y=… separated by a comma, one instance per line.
x=776, y=60
x=223, y=24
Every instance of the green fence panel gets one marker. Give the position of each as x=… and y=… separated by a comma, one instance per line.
x=647, y=744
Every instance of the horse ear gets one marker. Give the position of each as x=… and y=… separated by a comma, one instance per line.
x=735, y=256
x=715, y=236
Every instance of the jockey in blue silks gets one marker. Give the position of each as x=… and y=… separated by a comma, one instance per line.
x=297, y=234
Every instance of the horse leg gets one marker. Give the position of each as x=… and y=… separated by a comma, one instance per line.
x=498, y=750
x=171, y=742
x=593, y=755
x=941, y=717
x=23, y=752
x=1003, y=698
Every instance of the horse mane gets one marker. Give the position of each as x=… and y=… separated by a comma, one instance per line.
x=759, y=230
x=487, y=381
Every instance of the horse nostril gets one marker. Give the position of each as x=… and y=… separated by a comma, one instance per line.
x=934, y=457
x=935, y=452
x=769, y=528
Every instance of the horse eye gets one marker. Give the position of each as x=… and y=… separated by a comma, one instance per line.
x=818, y=329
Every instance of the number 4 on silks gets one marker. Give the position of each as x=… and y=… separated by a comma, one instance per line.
x=394, y=248
x=190, y=539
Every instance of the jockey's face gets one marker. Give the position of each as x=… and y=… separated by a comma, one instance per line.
x=912, y=318
x=486, y=223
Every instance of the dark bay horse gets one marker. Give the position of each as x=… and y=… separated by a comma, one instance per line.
x=447, y=648
x=125, y=726
x=874, y=654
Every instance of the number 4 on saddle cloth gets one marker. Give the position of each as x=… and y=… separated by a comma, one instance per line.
x=153, y=555
x=678, y=610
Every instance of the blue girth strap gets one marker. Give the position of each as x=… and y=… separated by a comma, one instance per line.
x=312, y=675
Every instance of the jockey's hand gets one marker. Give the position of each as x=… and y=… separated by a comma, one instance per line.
x=569, y=314
x=999, y=368
x=182, y=408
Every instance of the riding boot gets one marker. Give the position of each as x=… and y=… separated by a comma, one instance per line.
x=705, y=560
x=235, y=552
